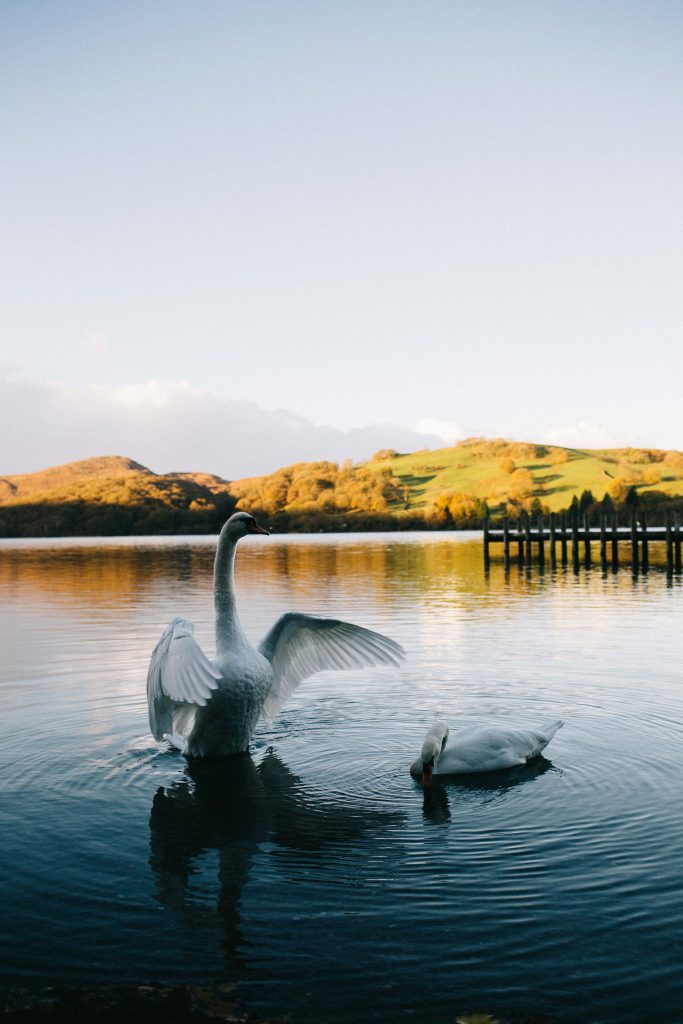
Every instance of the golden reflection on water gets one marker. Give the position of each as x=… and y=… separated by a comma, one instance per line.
x=380, y=568
x=110, y=576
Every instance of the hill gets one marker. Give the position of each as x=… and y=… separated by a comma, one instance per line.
x=111, y=495
x=448, y=487
x=73, y=474
x=457, y=485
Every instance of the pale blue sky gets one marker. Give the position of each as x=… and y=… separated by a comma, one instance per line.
x=360, y=212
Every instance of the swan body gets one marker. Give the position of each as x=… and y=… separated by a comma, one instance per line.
x=479, y=749
x=210, y=707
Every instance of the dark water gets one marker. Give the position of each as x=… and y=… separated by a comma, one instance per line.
x=312, y=873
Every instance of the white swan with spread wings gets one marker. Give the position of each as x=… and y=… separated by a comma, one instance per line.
x=209, y=708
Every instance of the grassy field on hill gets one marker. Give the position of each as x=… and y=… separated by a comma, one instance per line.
x=457, y=485
x=449, y=487
x=500, y=471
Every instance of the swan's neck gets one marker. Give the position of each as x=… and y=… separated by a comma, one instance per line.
x=228, y=629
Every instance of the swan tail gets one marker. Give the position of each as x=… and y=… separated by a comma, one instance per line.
x=545, y=735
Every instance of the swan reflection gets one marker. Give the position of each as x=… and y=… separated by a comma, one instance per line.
x=481, y=788
x=232, y=807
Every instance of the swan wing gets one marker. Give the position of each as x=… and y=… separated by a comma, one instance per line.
x=179, y=673
x=299, y=645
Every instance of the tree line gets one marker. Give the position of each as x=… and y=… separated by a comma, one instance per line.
x=382, y=494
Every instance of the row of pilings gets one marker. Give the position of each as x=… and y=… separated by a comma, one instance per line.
x=569, y=537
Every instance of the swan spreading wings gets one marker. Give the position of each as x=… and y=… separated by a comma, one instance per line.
x=210, y=708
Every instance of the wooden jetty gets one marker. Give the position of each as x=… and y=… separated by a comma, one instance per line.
x=565, y=533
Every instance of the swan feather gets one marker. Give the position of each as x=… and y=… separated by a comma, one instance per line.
x=210, y=708
x=481, y=748
x=299, y=645
x=179, y=674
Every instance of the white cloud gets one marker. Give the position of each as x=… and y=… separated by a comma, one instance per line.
x=152, y=395
x=171, y=426
x=447, y=430
x=583, y=434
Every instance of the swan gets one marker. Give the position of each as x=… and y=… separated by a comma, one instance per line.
x=479, y=749
x=209, y=708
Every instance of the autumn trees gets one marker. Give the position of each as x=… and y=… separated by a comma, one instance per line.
x=319, y=487
x=453, y=487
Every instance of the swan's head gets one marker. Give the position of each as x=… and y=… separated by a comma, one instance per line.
x=432, y=748
x=242, y=523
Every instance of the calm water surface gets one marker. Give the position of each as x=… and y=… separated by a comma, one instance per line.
x=312, y=873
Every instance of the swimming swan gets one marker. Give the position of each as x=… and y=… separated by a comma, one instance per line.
x=210, y=708
x=479, y=749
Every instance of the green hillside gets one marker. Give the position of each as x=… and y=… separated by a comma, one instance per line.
x=458, y=484
x=502, y=471
x=449, y=487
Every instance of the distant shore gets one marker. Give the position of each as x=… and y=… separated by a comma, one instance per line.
x=453, y=488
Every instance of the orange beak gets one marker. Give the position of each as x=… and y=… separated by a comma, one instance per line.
x=427, y=771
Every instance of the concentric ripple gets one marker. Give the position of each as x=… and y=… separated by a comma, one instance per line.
x=315, y=871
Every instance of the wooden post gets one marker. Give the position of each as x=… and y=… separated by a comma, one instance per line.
x=615, y=542
x=553, y=555
x=634, y=541
x=587, y=538
x=669, y=544
x=603, y=542
x=486, y=542
x=506, y=541
x=575, y=539
x=520, y=541
x=541, y=540
x=643, y=541
x=563, y=528
x=677, y=542
x=527, y=534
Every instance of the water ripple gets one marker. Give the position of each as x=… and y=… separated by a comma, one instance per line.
x=547, y=889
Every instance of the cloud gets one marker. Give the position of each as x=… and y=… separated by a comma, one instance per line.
x=171, y=426
x=447, y=430
x=151, y=397
x=583, y=434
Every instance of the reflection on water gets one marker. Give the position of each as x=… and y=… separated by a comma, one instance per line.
x=232, y=806
x=115, y=573
x=317, y=865
x=441, y=569
x=485, y=787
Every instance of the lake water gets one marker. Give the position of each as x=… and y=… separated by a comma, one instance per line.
x=313, y=874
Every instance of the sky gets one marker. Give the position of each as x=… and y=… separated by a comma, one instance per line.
x=236, y=234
